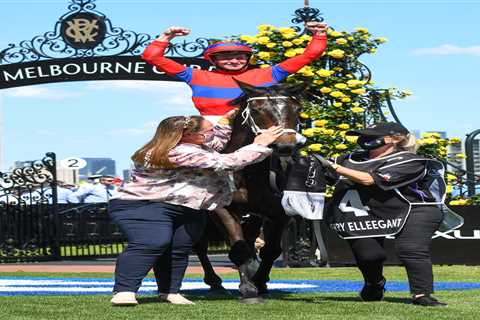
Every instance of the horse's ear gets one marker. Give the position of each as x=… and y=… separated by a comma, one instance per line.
x=250, y=90
x=295, y=89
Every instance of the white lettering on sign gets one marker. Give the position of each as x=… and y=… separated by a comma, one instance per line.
x=71, y=69
x=351, y=202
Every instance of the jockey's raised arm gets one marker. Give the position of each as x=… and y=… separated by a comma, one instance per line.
x=213, y=90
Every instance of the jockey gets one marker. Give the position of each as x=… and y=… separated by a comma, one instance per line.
x=212, y=90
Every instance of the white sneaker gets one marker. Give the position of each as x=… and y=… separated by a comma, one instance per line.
x=124, y=299
x=174, y=298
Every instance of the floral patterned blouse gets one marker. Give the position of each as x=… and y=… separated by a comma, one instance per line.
x=203, y=178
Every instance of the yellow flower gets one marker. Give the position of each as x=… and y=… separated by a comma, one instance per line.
x=340, y=86
x=271, y=45
x=337, y=53
x=341, y=41
x=336, y=94
x=351, y=139
x=315, y=147
x=344, y=126
x=303, y=153
x=381, y=40
x=454, y=141
x=431, y=135
x=324, y=73
x=320, y=123
x=304, y=115
x=318, y=82
x=263, y=40
x=263, y=66
x=289, y=35
x=337, y=104
x=286, y=30
x=460, y=156
x=290, y=53
x=299, y=50
x=318, y=130
x=373, y=50
x=353, y=83
x=359, y=91
x=325, y=90
x=264, y=55
x=346, y=99
x=308, y=132
x=361, y=30
x=357, y=109
x=451, y=177
x=248, y=39
x=297, y=41
x=335, y=34
x=265, y=27
x=329, y=132
x=341, y=146
x=306, y=37
x=287, y=44
x=350, y=38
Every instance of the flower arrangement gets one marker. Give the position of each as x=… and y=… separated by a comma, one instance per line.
x=345, y=95
x=337, y=77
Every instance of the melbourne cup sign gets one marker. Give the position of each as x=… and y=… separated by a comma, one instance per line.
x=85, y=69
x=84, y=45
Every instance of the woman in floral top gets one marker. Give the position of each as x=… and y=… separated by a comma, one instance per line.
x=178, y=176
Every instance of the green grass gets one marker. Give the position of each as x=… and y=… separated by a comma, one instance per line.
x=338, y=306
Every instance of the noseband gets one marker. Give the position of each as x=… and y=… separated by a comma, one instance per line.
x=248, y=119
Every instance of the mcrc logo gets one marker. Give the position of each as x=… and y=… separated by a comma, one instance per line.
x=83, y=30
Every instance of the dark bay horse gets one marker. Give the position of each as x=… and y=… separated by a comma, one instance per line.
x=257, y=192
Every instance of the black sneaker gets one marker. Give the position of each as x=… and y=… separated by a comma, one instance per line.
x=373, y=291
x=428, y=301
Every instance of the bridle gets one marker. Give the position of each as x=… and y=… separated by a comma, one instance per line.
x=248, y=119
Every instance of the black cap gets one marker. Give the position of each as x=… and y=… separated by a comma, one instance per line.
x=380, y=129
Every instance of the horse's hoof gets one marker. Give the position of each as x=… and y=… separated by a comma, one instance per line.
x=255, y=300
x=262, y=289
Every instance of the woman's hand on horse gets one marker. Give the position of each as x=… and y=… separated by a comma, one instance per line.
x=316, y=27
x=173, y=32
x=268, y=136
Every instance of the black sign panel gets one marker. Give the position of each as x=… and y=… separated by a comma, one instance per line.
x=454, y=247
x=86, y=69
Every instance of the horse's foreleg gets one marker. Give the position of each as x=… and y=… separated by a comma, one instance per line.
x=272, y=231
x=210, y=277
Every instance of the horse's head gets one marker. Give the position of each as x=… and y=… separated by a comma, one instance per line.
x=263, y=107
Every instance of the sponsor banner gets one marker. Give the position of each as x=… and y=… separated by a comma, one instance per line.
x=87, y=69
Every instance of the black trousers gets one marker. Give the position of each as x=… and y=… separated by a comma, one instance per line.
x=159, y=234
x=412, y=246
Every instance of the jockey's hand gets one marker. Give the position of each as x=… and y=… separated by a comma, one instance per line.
x=316, y=27
x=268, y=136
x=173, y=32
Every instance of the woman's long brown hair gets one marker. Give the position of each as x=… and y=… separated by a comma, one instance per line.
x=168, y=135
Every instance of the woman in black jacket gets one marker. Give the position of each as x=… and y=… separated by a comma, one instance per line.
x=388, y=190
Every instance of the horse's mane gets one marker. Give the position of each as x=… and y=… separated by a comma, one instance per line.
x=309, y=94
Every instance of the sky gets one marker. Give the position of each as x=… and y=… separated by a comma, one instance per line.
x=433, y=50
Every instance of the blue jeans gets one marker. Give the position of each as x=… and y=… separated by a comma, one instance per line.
x=158, y=233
